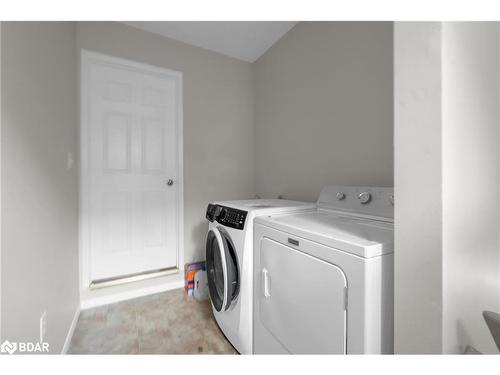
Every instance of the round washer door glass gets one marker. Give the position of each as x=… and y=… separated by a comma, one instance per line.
x=222, y=269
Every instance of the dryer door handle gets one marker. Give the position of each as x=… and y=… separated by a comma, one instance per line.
x=267, y=283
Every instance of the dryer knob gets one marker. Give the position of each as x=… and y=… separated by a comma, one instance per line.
x=340, y=195
x=364, y=197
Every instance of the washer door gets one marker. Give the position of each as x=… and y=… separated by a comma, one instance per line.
x=222, y=269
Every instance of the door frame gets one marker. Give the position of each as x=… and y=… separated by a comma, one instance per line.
x=88, y=58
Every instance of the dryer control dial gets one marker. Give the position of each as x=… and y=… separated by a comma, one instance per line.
x=364, y=197
x=340, y=195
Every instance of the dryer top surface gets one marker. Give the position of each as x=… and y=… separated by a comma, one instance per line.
x=356, y=235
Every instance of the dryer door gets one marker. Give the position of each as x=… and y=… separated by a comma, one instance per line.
x=302, y=300
x=222, y=269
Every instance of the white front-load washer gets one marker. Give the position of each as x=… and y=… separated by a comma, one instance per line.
x=323, y=279
x=229, y=256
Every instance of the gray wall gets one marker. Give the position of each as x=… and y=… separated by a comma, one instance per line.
x=324, y=109
x=39, y=194
x=471, y=206
x=218, y=117
x=418, y=192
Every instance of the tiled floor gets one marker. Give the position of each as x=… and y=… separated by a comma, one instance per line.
x=164, y=323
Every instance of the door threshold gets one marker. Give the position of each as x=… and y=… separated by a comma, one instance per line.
x=113, y=281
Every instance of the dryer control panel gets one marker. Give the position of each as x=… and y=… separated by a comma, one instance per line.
x=364, y=200
x=227, y=216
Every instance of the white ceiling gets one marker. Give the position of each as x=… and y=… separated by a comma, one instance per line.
x=243, y=40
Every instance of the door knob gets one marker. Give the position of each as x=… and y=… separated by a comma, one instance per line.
x=170, y=182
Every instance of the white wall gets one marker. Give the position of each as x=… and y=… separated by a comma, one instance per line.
x=324, y=109
x=471, y=206
x=447, y=263
x=0, y=181
x=218, y=117
x=39, y=194
x=417, y=183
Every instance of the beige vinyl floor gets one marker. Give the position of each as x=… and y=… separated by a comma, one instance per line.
x=164, y=323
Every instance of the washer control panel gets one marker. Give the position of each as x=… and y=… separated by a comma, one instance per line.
x=227, y=216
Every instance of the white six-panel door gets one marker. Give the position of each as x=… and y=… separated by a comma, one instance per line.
x=130, y=166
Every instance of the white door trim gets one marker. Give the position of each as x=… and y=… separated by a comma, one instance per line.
x=88, y=58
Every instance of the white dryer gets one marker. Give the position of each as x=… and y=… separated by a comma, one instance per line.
x=229, y=255
x=324, y=279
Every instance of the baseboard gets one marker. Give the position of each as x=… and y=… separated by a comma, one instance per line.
x=93, y=299
x=71, y=330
